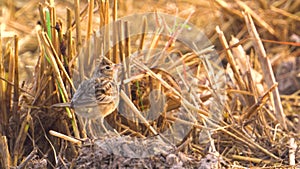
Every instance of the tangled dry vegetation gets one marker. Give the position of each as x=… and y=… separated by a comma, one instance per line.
x=215, y=107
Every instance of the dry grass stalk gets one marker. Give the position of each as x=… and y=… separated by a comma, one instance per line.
x=126, y=129
x=267, y=69
x=169, y=87
x=230, y=59
x=15, y=104
x=53, y=38
x=4, y=111
x=4, y=150
x=285, y=13
x=248, y=141
x=86, y=55
x=90, y=19
x=116, y=59
x=250, y=134
x=153, y=44
x=255, y=107
x=228, y=9
x=42, y=16
x=258, y=19
x=70, y=51
x=77, y=23
x=292, y=151
x=120, y=33
x=144, y=30
x=10, y=73
x=106, y=26
x=28, y=158
x=172, y=39
x=126, y=57
x=23, y=131
x=251, y=159
x=65, y=137
x=137, y=112
x=57, y=66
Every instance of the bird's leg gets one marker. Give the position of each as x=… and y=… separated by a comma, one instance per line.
x=102, y=125
x=85, y=121
x=91, y=129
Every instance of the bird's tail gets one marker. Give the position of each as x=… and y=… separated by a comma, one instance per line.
x=61, y=105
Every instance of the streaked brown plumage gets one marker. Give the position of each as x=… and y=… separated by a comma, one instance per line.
x=97, y=97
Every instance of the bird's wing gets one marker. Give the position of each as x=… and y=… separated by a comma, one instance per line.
x=105, y=91
x=85, y=94
x=95, y=91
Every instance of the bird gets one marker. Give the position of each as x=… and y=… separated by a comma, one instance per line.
x=97, y=97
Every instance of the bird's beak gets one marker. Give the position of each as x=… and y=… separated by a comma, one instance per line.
x=117, y=66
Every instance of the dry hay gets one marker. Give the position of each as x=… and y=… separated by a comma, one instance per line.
x=251, y=130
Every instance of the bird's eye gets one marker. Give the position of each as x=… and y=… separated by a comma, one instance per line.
x=107, y=67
